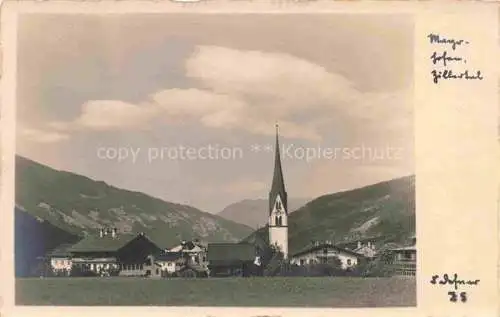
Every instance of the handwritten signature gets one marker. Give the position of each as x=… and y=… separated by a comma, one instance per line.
x=455, y=281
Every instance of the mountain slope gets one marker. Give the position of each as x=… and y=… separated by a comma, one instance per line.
x=386, y=210
x=254, y=212
x=80, y=206
x=34, y=237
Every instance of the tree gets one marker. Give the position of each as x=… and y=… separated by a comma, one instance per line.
x=271, y=259
x=379, y=267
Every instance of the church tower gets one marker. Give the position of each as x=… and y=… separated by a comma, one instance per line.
x=278, y=205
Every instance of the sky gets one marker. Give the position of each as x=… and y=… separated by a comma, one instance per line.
x=184, y=106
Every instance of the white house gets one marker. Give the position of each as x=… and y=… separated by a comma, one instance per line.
x=170, y=262
x=196, y=250
x=60, y=260
x=322, y=252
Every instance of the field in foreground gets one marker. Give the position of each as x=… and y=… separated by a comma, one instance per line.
x=296, y=291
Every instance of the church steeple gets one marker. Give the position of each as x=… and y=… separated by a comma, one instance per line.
x=278, y=206
x=278, y=184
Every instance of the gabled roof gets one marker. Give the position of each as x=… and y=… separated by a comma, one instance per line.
x=188, y=246
x=104, y=244
x=230, y=252
x=61, y=251
x=329, y=246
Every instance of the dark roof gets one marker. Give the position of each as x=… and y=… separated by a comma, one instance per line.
x=278, y=184
x=169, y=256
x=104, y=244
x=229, y=252
x=325, y=245
x=60, y=251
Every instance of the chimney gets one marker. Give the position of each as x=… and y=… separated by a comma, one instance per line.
x=359, y=244
x=369, y=244
x=113, y=232
x=101, y=233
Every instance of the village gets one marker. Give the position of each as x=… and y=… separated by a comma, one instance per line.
x=109, y=252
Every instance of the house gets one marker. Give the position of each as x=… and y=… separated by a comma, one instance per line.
x=59, y=260
x=365, y=247
x=403, y=260
x=195, y=251
x=322, y=252
x=168, y=262
x=231, y=259
x=369, y=247
x=107, y=254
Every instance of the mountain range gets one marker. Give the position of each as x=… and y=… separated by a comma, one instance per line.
x=80, y=206
x=254, y=212
x=384, y=212
x=55, y=207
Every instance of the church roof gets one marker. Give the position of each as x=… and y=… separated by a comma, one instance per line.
x=278, y=183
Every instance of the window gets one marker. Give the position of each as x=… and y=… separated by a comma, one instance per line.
x=157, y=271
x=278, y=205
x=278, y=221
x=302, y=261
x=349, y=262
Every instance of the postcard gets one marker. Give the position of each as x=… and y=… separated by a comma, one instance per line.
x=246, y=158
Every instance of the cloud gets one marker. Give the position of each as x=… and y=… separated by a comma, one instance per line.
x=296, y=83
x=249, y=91
x=42, y=136
x=114, y=114
x=211, y=109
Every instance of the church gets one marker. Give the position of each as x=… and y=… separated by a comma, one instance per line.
x=318, y=252
x=278, y=205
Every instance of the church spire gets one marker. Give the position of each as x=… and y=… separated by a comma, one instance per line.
x=278, y=184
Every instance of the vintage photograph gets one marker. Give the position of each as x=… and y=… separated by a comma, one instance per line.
x=213, y=159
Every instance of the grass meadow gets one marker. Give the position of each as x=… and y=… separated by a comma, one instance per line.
x=276, y=291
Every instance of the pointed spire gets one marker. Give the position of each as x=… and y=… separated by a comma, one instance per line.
x=278, y=184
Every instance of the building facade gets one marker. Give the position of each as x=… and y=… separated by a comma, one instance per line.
x=231, y=259
x=114, y=254
x=403, y=260
x=323, y=253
